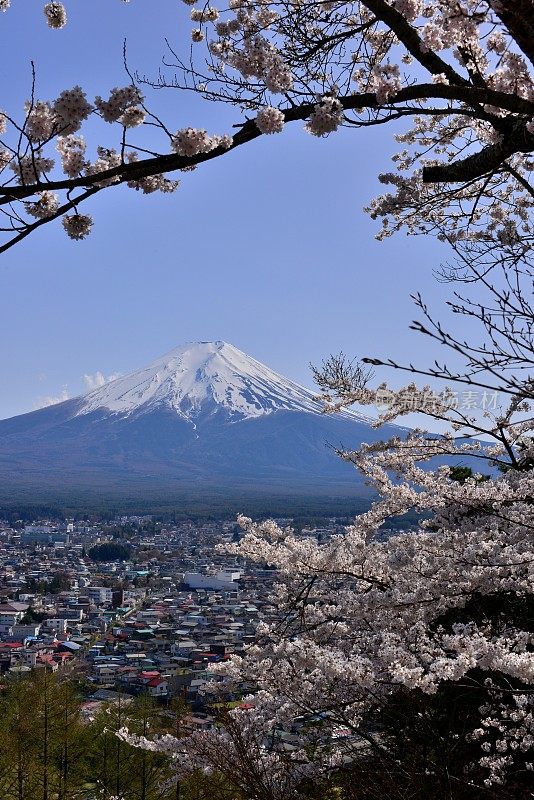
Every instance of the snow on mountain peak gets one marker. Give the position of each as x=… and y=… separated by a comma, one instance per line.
x=198, y=378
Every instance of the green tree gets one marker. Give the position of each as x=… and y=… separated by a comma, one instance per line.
x=60, y=583
x=110, y=758
x=19, y=742
x=110, y=551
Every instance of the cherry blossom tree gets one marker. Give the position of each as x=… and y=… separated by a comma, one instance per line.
x=403, y=665
x=459, y=71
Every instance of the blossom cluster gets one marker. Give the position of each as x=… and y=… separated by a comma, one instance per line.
x=270, y=120
x=56, y=15
x=192, y=141
x=77, y=226
x=72, y=152
x=71, y=109
x=107, y=159
x=30, y=168
x=385, y=81
x=45, y=206
x=326, y=117
x=122, y=102
x=64, y=116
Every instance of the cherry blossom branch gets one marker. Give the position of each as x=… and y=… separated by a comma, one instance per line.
x=249, y=131
x=61, y=211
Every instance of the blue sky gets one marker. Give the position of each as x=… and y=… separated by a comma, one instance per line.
x=267, y=247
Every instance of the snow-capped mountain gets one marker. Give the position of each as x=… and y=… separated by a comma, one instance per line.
x=200, y=378
x=203, y=419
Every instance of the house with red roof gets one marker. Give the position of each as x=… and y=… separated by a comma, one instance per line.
x=158, y=687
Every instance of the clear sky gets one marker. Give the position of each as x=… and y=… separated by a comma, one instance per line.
x=267, y=247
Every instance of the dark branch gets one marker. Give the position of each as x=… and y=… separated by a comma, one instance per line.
x=518, y=17
x=482, y=163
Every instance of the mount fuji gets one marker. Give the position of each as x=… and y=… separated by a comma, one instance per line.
x=204, y=418
x=200, y=380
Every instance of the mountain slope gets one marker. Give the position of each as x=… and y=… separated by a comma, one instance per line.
x=201, y=378
x=205, y=417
